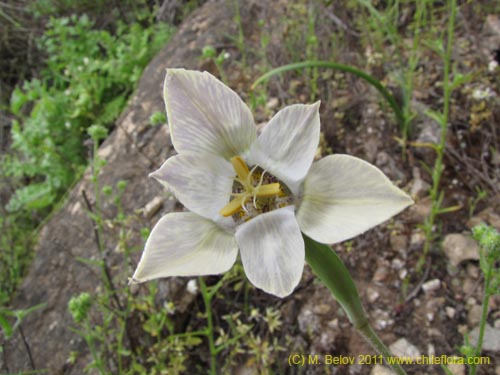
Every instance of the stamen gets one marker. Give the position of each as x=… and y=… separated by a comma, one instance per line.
x=268, y=190
x=249, y=177
x=262, y=177
x=245, y=179
x=240, y=168
x=233, y=206
x=243, y=207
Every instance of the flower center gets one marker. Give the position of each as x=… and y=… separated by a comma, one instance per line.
x=254, y=191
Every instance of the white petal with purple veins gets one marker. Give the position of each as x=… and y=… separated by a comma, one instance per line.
x=345, y=196
x=185, y=244
x=272, y=251
x=288, y=143
x=206, y=116
x=201, y=182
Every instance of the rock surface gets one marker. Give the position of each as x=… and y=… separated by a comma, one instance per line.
x=491, y=340
x=459, y=247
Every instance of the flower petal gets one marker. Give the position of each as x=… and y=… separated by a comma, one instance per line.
x=201, y=182
x=272, y=251
x=288, y=143
x=205, y=115
x=344, y=196
x=185, y=244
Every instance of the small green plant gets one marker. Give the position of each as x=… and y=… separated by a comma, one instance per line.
x=265, y=39
x=158, y=118
x=237, y=329
x=79, y=307
x=210, y=53
x=382, y=28
x=8, y=327
x=240, y=40
x=451, y=80
x=312, y=53
x=474, y=201
x=488, y=239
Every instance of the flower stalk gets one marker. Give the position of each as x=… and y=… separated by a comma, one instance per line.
x=330, y=269
x=209, y=333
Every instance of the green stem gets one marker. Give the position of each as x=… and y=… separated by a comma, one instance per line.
x=87, y=335
x=207, y=300
x=222, y=75
x=330, y=269
x=484, y=316
x=438, y=164
x=241, y=36
x=344, y=68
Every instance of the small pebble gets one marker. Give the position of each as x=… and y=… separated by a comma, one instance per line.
x=380, y=274
x=152, y=207
x=450, y=312
x=431, y=285
x=431, y=350
x=372, y=294
x=272, y=103
x=417, y=238
x=404, y=348
x=381, y=370
x=474, y=315
x=397, y=264
x=459, y=247
x=403, y=273
x=456, y=368
x=472, y=271
x=491, y=339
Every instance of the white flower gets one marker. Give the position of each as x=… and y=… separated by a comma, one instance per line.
x=254, y=194
x=483, y=93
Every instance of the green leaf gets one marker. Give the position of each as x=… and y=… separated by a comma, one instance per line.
x=113, y=109
x=460, y=79
x=436, y=116
x=31, y=197
x=193, y=341
x=91, y=262
x=6, y=327
x=17, y=100
x=21, y=314
x=330, y=269
x=343, y=68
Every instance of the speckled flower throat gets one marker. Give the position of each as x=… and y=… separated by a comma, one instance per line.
x=254, y=192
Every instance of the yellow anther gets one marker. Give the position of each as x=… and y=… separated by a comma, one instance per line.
x=267, y=190
x=233, y=207
x=240, y=168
